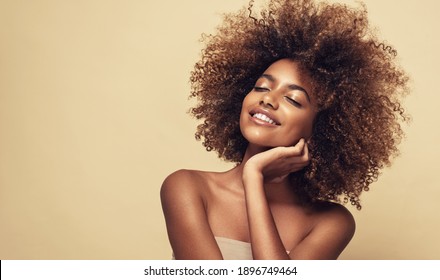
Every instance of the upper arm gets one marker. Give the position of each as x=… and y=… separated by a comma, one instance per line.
x=187, y=224
x=329, y=237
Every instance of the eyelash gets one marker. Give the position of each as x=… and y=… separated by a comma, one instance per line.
x=293, y=102
x=260, y=89
x=290, y=100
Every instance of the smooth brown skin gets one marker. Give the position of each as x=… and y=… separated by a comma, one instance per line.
x=254, y=201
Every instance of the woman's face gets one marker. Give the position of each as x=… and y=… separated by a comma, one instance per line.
x=280, y=108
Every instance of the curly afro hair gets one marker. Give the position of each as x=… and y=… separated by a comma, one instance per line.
x=355, y=80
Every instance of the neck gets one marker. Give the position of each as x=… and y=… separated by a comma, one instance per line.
x=252, y=150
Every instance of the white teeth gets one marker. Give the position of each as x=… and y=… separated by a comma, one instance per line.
x=263, y=117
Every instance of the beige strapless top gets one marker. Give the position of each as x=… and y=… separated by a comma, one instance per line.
x=234, y=249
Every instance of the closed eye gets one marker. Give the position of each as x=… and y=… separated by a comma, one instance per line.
x=260, y=89
x=293, y=102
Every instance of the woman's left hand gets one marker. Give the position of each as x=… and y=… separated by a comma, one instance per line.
x=277, y=163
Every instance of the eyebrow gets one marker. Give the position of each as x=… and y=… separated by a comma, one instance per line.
x=292, y=86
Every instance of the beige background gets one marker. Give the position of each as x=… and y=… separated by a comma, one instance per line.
x=93, y=101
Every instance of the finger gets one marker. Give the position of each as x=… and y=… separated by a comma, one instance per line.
x=278, y=179
x=300, y=144
x=295, y=153
x=306, y=154
x=298, y=164
x=296, y=150
x=302, y=161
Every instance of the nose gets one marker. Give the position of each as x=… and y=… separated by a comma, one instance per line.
x=269, y=100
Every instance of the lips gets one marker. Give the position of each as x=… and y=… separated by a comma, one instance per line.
x=264, y=116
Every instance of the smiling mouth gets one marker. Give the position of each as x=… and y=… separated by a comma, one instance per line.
x=263, y=117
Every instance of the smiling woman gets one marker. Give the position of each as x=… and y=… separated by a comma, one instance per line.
x=280, y=101
x=306, y=100
x=92, y=119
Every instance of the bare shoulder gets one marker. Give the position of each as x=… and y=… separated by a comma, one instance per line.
x=336, y=216
x=182, y=184
x=181, y=178
x=183, y=196
x=334, y=227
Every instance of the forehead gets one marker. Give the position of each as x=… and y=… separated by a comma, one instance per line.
x=287, y=70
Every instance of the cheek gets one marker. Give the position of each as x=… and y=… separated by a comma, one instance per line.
x=242, y=120
x=249, y=99
x=307, y=128
x=302, y=126
x=244, y=113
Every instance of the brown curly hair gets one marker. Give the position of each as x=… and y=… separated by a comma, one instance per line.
x=355, y=79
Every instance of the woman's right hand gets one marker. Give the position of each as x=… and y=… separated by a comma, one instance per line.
x=277, y=163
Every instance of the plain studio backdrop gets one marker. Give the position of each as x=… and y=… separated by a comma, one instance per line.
x=93, y=117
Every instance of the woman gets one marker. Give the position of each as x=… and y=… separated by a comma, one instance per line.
x=305, y=99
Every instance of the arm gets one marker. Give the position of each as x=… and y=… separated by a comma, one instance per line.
x=332, y=231
x=268, y=166
x=187, y=224
x=265, y=239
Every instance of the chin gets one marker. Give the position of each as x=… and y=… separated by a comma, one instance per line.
x=266, y=142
